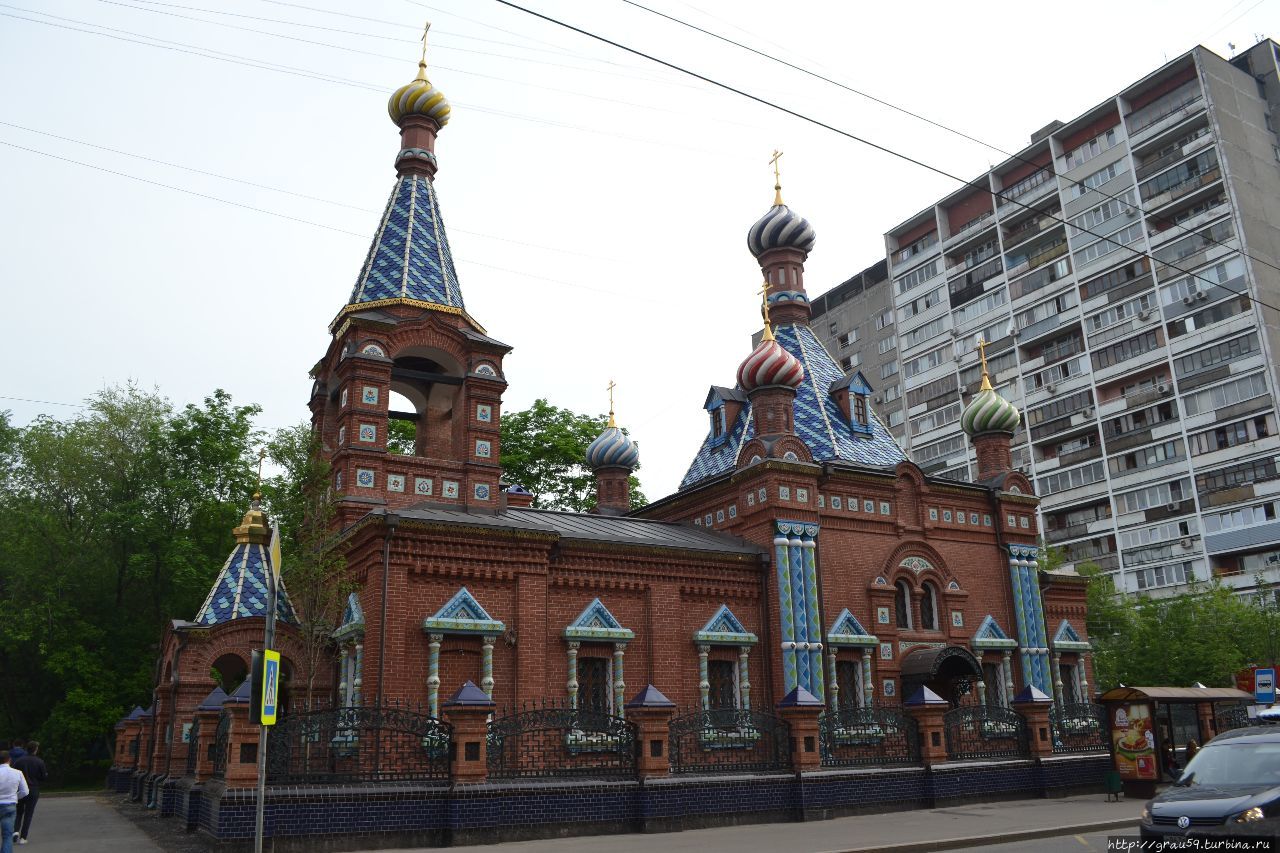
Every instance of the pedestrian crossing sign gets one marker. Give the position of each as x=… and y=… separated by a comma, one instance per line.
x=270, y=686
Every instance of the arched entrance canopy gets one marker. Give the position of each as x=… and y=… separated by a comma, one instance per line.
x=949, y=671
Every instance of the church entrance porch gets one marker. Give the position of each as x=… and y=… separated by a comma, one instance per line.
x=952, y=672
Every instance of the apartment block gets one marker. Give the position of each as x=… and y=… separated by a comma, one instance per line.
x=1123, y=269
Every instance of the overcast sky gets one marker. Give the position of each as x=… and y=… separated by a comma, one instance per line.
x=232, y=158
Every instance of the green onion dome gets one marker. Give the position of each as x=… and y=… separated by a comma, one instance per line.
x=989, y=412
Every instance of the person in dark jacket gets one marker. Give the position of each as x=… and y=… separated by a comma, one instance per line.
x=15, y=749
x=32, y=766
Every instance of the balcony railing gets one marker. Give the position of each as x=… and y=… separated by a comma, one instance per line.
x=1138, y=121
x=1018, y=192
x=1177, y=191
x=1029, y=229
x=1146, y=170
x=972, y=227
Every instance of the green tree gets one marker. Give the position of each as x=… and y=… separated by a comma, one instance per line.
x=544, y=450
x=111, y=522
x=400, y=437
x=314, y=569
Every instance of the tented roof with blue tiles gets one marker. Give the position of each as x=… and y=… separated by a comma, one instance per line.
x=818, y=419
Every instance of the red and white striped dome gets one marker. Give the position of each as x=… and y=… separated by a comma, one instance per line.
x=770, y=364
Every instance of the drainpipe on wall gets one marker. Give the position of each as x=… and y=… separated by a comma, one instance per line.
x=391, y=521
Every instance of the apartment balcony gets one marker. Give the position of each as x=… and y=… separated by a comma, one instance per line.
x=1159, y=238
x=1038, y=186
x=1148, y=169
x=975, y=230
x=1029, y=229
x=1135, y=399
x=1242, y=538
x=1241, y=582
x=1136, y=363
x=1226, y=497
x=1150, y=126
x=1171, y=510
x=1034, y=262
x=1136, y=477
x=1179, y=191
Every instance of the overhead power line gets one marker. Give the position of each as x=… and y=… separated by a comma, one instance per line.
x=915, y=115
x=874, y=145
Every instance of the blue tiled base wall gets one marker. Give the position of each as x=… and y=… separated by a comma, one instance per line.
x=338, y=818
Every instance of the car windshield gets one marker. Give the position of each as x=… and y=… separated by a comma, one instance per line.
x=1234, y=763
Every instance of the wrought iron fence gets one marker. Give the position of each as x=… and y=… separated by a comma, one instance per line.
x=390, y=742
x=1079, y=727
x=1227, y=717
x=193, y=747
x=553, y=740
x=869, y=736
x=729, y=741
x=220, y=752
x=985, y=731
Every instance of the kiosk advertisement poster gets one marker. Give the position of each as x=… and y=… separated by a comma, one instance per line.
x=1134, y=741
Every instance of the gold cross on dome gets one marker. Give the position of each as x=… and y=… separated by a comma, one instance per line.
x=425, y=30
x=262, y=456
x=764, y=310
x=981, y=345
x=612, y=385
x=777, y=177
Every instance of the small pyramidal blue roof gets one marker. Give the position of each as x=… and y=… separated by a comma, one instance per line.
x=819, y=423
x=241, y=589
x=410, y=258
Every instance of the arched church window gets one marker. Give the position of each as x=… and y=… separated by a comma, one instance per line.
x=849, y=680
x=717, y=422
x=902, y=603
x=860, y=409
x=595, y=691
x=929, y=608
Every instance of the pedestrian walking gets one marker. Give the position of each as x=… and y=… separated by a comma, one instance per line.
x=13, y=787
x=15, y=750
x=32, y=767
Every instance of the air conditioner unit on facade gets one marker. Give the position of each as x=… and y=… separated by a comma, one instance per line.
x=1171, y=507
x=1186, y=542
x=1188, y=299
x=1088, y=413
x=1162, y=387
x=1050, y=387
x=1202, y=294
x=879, y=399
x=1142, y=315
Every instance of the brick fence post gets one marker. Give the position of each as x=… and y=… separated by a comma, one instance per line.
x=651, y=712
x=467, y=711
x=801, y=710
x=1034, y=706
x=928, y=710
x=208, y=732
x=242, y=752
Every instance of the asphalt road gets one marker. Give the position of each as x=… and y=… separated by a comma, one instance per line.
x=1088, y=843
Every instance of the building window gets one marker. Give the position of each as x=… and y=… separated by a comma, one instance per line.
x=888, y=344
x=595, y=692
x=717, y=422
x=885, y=319
x=902, y=604
x=929, y=607
x=888, y=369
x=1070, y=688
x=722, y=675
x=993, y=679
x=849, y=680
x=860, y=409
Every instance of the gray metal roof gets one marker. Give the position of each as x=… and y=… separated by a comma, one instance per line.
x=584, y=527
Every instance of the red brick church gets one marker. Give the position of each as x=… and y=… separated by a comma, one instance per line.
x=802, y=556
x=802, y=547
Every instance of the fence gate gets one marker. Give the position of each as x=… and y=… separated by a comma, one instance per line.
x=874, y=736
x=362, y=743
x=729, y=741
x=985, y=732
x=560, y=741
x=1079, y=727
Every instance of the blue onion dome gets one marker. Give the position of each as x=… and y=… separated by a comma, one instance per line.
x=989, y=412
x=781, y=228
x=419, y=97
x=612, y=449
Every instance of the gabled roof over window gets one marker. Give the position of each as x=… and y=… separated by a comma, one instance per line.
x=597, y=623
x=352, y=619
x=848, y=631
x=1066, y=639
x=724, y=629
x=462, y=614
x=991, y=636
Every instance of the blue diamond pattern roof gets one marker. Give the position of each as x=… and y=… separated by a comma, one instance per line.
x=410, y=256
x=818, y=420
x=241, y=589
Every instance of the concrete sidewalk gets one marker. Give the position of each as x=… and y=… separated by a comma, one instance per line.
x=74, y=824
x=933, y=829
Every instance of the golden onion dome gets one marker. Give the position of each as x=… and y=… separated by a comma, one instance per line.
x=419, y=97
